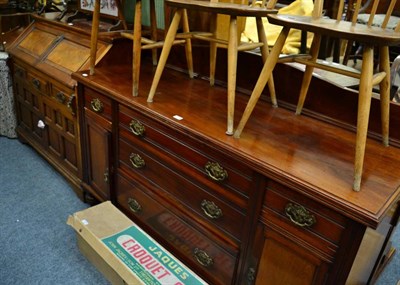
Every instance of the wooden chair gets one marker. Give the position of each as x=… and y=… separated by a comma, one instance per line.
x=139, y=41
x=95, y=31
x=216, y=9
x=367, y=35
x=363, y=17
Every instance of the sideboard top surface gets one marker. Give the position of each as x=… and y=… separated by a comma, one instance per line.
x=310, y=156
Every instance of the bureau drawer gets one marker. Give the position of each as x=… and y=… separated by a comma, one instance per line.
x=302, y=217
x=203, y=161
x=19, y=72
x=198, y=251
x=97, y=103
x=65, y=97
x=155, y=168
x=37, y=83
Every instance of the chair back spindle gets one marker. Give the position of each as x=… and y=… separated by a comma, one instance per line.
x=389, y=13
x=340, y=10
x=318, y=7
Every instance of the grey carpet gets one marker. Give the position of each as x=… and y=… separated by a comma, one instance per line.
x=36, y=245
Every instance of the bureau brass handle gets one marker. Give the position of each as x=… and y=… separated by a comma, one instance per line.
x=134, y=205
x=211, y=210
x=251, y=274
x=70, y=104
x=137, y=161
x=203, y=258
x=97, y=105
x=19, y=72
x=106, y=176
x=36, y=83
x=60, y=97
x=216, y=171
x=299, y=215
x=137, y=128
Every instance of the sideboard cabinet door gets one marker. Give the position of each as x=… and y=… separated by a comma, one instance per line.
x=97, y=144
x=284, y=261
x=99, y=148
x=298, y=241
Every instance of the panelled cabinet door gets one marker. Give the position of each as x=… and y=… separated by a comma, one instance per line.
x=98, y=146
x=285, y=262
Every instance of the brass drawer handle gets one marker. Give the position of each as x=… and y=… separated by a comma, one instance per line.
x=137, y=161
x=61, y=97
x=299, y=215
x=36, y=83
x=137, y=128
x=203, y=258
x=211, y=210
x=216, y=171
x=97, y=105
x=134, y=205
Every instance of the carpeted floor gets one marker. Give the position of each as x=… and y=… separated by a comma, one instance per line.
x=36, y=244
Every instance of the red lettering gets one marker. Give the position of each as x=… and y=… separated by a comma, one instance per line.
x=133, y=248
x=127, y=243
x=165, y=274
x=139, y=253
x=152, y=264
x=160, y=270
x=145, y=259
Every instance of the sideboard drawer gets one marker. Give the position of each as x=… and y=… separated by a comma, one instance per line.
x=206, y=257
x=153, y=168
x=215, y=168
x=308, y=220
x=97, y=103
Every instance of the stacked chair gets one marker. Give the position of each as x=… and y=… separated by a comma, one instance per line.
x=231, y=9
x=140, y=42
x=369, y=36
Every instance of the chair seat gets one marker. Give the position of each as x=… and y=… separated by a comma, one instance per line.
x=338, y=29
x=222, y=8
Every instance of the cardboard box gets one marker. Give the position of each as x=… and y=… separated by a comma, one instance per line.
x=123, y=252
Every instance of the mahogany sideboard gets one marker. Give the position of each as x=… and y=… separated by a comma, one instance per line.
x=273, y=207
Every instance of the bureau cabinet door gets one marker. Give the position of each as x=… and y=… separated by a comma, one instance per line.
x=29, y=110
x=283, y=261
x=98, y=149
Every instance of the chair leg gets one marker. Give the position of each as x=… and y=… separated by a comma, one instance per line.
x=169, y=39
x=153, y=30
x=213, y=49
x=137, y=48
x=265, y=53
x=232, y=70
x=364, y=104
x=349, y=48
x=384, y=87
x=314, y=50
x=93, y=38
x=188, y=44
x=265, y=75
